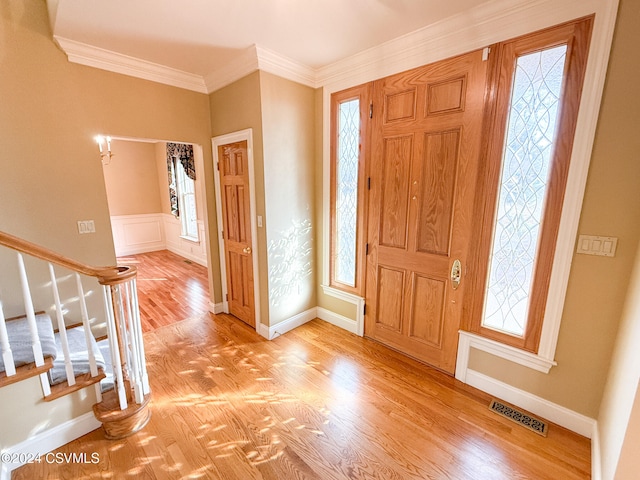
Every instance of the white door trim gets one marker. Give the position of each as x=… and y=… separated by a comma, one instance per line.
x=215, y=143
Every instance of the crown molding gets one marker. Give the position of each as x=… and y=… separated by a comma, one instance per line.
x=272, y=62
x=239, y=67
x=252, y=59
x=476, y=28
x=259, y=58
x=91, y=56
x=481, y=26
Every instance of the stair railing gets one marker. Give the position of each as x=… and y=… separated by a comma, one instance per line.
x=131, y=391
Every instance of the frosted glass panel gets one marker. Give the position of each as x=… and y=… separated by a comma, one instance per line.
x=526, y=160
x=347, y=191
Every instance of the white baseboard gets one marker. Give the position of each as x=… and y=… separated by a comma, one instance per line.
x=287, y=325
x=217, y=308
x=553, y=412
x=48, y=440
x=188, y=255
x=263, y=331
x=338, y=320
x=355, y=300
x=194, y=251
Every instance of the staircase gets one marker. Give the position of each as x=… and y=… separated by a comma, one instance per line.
x=64, y=353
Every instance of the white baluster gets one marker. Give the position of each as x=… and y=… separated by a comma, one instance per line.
x=33, y=328
x=138, y=329
x=88, y=335
x=136, y=378
x=62, y=329
x=113, y=346
x=7, y=355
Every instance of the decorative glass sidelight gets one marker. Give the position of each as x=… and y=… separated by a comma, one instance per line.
x=347, y=191
x=526, y=164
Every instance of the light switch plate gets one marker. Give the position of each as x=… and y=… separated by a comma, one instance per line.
x=86, y=226
x=594, y=245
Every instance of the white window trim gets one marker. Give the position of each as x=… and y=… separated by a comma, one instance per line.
x=180, y=177
x=468, y=340
x=190, y=239
x=494, y=22
x=349, y=298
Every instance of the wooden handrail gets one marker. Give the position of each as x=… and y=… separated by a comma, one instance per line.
x=128, y=410
x=105, y=275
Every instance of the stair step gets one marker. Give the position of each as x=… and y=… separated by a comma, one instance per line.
x=67, y=327
x=26, y=371
x=82, y=381
x=20, y=340
x=79, y=356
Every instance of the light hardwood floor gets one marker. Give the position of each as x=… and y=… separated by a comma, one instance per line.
x=315, y=403
x=170, y=288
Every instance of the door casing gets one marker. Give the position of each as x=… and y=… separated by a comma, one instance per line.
x=239, y=136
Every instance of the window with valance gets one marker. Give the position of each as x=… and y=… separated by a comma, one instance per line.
x=182, y=174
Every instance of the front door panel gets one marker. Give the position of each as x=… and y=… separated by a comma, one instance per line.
x=426, y=143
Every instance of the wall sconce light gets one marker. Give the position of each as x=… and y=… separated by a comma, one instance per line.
x=104, y=144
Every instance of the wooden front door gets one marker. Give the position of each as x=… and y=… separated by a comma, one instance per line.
x=426, y=135
x=236, y=218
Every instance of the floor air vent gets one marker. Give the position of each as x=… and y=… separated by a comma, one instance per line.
x=520, y=418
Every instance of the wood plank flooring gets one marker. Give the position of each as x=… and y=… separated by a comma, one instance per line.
x=170, y=288
x=315, y=403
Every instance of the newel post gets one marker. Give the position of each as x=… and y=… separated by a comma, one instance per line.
x=124, y=410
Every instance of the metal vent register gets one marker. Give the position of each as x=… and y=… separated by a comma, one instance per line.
x=519, y=417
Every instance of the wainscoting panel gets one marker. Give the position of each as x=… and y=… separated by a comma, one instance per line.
x=194, y=251
x=137, y=233
x=134, y=234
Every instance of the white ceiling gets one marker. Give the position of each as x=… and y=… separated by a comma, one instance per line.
x=199, y=37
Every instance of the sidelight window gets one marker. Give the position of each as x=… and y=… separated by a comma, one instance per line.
x=534, y=113
x=349, y=125
x=524, y=183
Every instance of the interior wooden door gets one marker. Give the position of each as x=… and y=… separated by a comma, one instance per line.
x=426, y=140
x=236, y=218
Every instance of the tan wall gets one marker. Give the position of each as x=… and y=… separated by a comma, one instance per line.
x=131, y=179
x=51, y=172
x=619, y=418
x=24, y=414
x=238, y=107
x=281, y=114
x=629, y=463
x=288, y=113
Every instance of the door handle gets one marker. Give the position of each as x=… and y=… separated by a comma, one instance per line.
x=247, y=250
x=456, y=274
